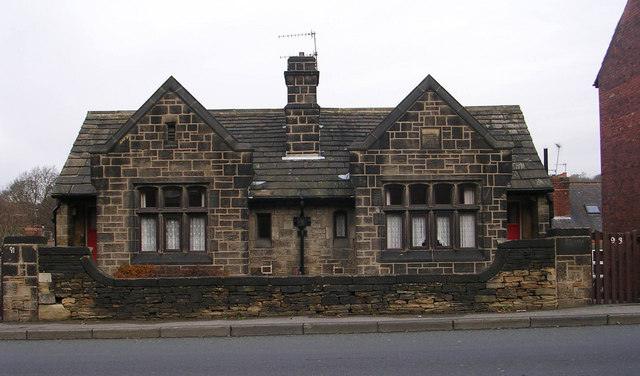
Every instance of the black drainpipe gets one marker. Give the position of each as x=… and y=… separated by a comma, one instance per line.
x=301, y=222
x=55, y=224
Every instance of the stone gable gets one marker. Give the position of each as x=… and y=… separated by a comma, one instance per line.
x=463, y=157
x=150, y=155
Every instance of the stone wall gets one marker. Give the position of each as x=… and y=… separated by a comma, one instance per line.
x=519, y=279
x=522, y=276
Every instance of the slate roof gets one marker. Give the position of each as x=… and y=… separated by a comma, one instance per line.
x=264, y=132
x=506, y=123
x=580, y=195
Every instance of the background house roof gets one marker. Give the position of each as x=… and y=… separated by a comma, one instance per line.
x=264, y=131
x=582, y=194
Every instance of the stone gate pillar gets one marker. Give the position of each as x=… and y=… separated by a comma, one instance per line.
x=20, y=277
x=573, y=266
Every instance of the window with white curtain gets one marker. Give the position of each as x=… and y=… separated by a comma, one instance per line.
x=149, y=233
x=196, y=232
x=172, y=218
x=430, y=215
x=443, y=230
x=419, y=231
x=467, y=230
x=394, y=231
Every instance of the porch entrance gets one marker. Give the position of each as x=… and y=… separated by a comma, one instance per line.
x=616, y=267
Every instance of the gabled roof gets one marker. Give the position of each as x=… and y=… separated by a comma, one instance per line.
x=172, y=85
x=428, y=84
x=507, y=124
x=262, y=130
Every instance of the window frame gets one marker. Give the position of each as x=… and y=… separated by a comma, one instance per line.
x=263, y=241
x=463, y=198
x=343, y=214
x=180, y=209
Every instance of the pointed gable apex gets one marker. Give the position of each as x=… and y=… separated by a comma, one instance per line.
x=172, y=85
x=428, y=84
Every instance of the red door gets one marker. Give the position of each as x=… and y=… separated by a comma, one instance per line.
x=92, y=233
x=513, y=220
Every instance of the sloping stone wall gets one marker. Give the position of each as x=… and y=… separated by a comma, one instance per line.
x=521, y=277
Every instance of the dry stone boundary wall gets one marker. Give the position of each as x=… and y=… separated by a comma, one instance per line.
x=68, y=284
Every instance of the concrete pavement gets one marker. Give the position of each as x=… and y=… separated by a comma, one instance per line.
x=628, y=314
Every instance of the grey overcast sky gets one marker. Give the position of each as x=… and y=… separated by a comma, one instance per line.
x=63, y=58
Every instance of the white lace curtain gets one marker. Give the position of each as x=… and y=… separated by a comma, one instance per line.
x=173, y=233
x=443, y=224
x=394, y=231
x=467, y=230
x=149, y=234
x=419, y=231
x=196, y=233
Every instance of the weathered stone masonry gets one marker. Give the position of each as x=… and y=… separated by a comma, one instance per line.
x=196, y=156
x=404, y=155
x=522, y=276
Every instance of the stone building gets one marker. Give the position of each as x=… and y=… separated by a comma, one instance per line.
x=618, y=84
x=427, y=187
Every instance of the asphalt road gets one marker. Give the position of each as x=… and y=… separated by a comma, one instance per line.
x=605, y=350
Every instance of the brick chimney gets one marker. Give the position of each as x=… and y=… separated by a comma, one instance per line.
x=561, y=207
x=302, y=111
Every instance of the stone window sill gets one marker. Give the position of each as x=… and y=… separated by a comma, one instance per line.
x=434, y=256
x=177, y=258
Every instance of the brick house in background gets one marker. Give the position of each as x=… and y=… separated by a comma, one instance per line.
x=618, y=84
x=576, y=204
x=428, y=187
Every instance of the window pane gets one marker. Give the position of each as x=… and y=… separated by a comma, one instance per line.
x=442, y=194
x=443, y=230
x=418, y=231
x=148, y=198
x=341, y=224
x=172, y=197
x=418, y=194
x=394, y=194
x=467, y=230
x=149, y=233
x=196, y=233
x=467, y=195
x=172, y=226
x=264, y=226
x=394, y=231
x=196, y=197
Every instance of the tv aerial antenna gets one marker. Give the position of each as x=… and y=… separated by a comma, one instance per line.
x=311, y=34
x=558, y=158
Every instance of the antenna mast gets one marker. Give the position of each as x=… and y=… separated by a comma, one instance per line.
x=557, y=157
x=311, y=34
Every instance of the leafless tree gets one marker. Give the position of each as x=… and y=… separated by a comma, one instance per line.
x=27, y=201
